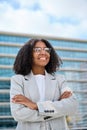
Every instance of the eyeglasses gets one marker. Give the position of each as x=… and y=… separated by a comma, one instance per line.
x=39, y=49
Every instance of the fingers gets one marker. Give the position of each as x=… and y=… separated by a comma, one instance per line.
x=66, y=94
x=18, y=98
x=21, y=99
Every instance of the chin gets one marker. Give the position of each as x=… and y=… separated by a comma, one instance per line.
x=42, y=65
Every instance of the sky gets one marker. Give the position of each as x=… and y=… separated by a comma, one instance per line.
x=57, y=18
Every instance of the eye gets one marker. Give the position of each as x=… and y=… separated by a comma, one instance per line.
x=47, y=49
x=37, y=49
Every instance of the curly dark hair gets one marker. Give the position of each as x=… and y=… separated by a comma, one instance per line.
x=24, y=59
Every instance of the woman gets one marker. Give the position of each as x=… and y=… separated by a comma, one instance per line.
x=40, y=99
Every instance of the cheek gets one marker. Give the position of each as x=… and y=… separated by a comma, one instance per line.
x=34, y=57
x=49, y=58
x=34, y=61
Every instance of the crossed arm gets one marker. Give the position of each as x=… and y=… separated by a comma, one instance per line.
x=21, y=99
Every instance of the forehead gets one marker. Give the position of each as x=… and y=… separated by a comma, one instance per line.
x=40, y=44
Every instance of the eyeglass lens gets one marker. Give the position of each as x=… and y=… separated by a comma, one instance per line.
x=39, y=49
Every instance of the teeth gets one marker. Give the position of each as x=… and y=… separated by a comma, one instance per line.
x=43, y=58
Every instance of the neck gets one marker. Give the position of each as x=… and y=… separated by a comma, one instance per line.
x=38, y=71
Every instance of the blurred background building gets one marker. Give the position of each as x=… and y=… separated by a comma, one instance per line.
x=74, y=55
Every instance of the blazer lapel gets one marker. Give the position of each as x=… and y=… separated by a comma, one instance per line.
x=32, y=87
x=50, y=87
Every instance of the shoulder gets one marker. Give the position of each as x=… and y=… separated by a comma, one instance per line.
x=59, y=77
x=17, y=84
x=17, y=78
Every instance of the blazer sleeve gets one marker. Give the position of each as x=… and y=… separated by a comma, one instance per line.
x=64, y=107
x=18, y=111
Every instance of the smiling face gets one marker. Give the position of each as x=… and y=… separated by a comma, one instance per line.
x=41, y=55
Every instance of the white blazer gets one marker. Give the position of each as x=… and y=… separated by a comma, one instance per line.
x=51, y=112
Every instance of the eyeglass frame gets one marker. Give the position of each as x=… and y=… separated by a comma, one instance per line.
x=39, y=49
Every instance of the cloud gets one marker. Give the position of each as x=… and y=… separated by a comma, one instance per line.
x=64, y=18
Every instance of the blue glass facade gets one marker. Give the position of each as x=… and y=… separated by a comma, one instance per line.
x=74, y=56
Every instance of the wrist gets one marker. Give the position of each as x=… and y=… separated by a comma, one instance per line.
x=35, y=107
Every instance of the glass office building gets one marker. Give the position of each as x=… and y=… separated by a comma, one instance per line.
x=74, y=55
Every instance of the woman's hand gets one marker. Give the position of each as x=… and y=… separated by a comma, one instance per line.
x=20, y=99
x=66, y=94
